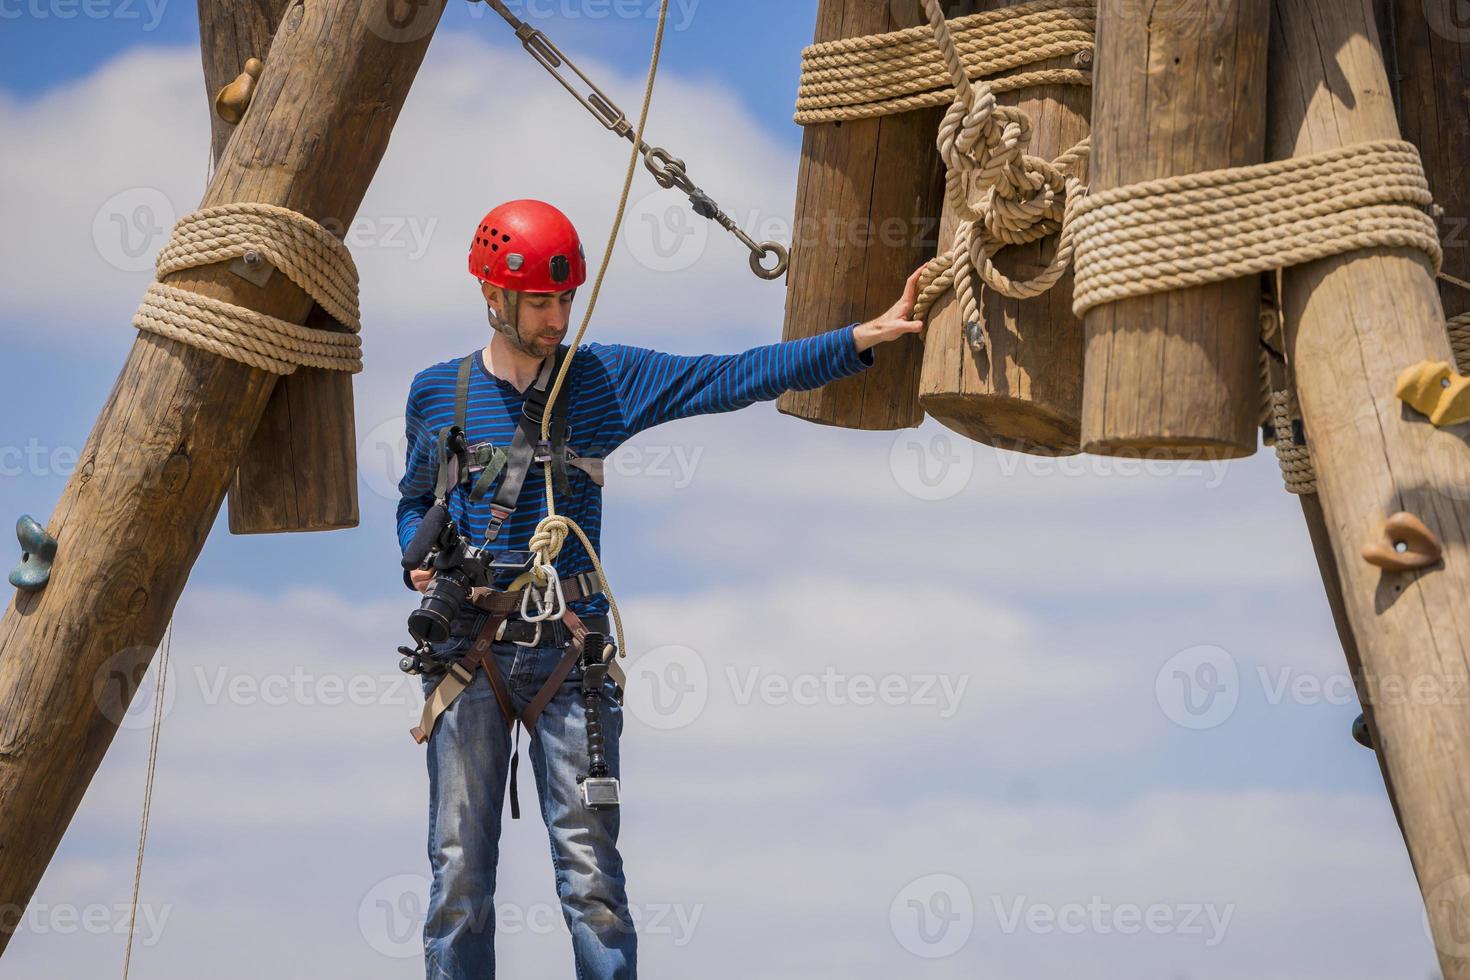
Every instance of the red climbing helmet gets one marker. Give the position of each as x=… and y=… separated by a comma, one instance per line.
x=530, y=247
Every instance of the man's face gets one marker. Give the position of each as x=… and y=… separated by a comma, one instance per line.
x=544, y=317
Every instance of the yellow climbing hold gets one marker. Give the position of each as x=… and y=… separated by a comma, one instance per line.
x=1433, y=389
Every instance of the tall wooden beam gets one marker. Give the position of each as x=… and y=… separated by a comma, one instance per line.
x=868, y=197
x=134, y=515
x=1179, y=88
x=1023, y=390
x=299, y=469
x=1353, y=322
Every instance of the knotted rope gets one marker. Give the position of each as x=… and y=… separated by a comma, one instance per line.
x=883, y=74
x=309, y=255
x=1193, y=229
x=1020, y=198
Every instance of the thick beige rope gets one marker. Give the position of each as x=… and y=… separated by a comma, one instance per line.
x=1019, y=198
x=308, y=254
x=1459, y=331
x=1293, y=457
x=1224, y=224
x=882, y=74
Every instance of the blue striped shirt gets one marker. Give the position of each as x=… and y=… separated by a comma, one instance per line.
x=616, y=391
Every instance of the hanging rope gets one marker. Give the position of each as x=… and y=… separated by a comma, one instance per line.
x=883, y=74
x=158, y=692
x=1224, y=224
x=1459, y=331
x=1292, y=455
x=551, y=532
x=308, y=254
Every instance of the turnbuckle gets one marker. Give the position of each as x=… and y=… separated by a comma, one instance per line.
x=668, y=170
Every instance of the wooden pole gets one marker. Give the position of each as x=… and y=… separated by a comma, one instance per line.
x=1023, y=391
x=1352, y=323
x=1431, y=55
x=1179, y=88
x=134, y=515
x=868, y=198
x=299, y=470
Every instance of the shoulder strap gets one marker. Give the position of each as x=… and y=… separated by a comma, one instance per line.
x=451, y=467
x=524, y=446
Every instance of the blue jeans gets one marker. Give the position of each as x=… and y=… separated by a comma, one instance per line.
x=469, y=755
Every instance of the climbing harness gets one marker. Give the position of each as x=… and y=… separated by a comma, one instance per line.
x=669, y=171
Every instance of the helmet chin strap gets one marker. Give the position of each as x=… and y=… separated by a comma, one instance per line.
x=508, y=325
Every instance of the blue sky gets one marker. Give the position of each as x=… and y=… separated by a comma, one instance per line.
x=1067, y=605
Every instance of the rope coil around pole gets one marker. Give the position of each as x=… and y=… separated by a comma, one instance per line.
x=1217, y=225
x=1459, y=331
x=309, y=255
x=1294, y=457
x=899, y=71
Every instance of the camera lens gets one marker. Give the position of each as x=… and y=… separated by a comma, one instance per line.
x=442, y=603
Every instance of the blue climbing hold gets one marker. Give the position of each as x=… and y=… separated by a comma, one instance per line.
x=37, y=551
x=1360, y=732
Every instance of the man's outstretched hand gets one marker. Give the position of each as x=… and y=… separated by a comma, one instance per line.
x=895, y=323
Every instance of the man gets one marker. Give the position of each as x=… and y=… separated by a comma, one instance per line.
x=530, y=262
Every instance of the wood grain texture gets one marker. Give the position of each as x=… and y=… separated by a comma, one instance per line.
x=1024, y=390
x=1180, y=88
x=134, y=515
x=299, y=470
x=867, y=213
x=1431, y=54
x=1352, y=323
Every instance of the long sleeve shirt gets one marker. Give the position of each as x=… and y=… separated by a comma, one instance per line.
x=616, y=392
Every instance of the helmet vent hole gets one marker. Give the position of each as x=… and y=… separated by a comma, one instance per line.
x=503, y=238
x=494, y=247
x=493, y=232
